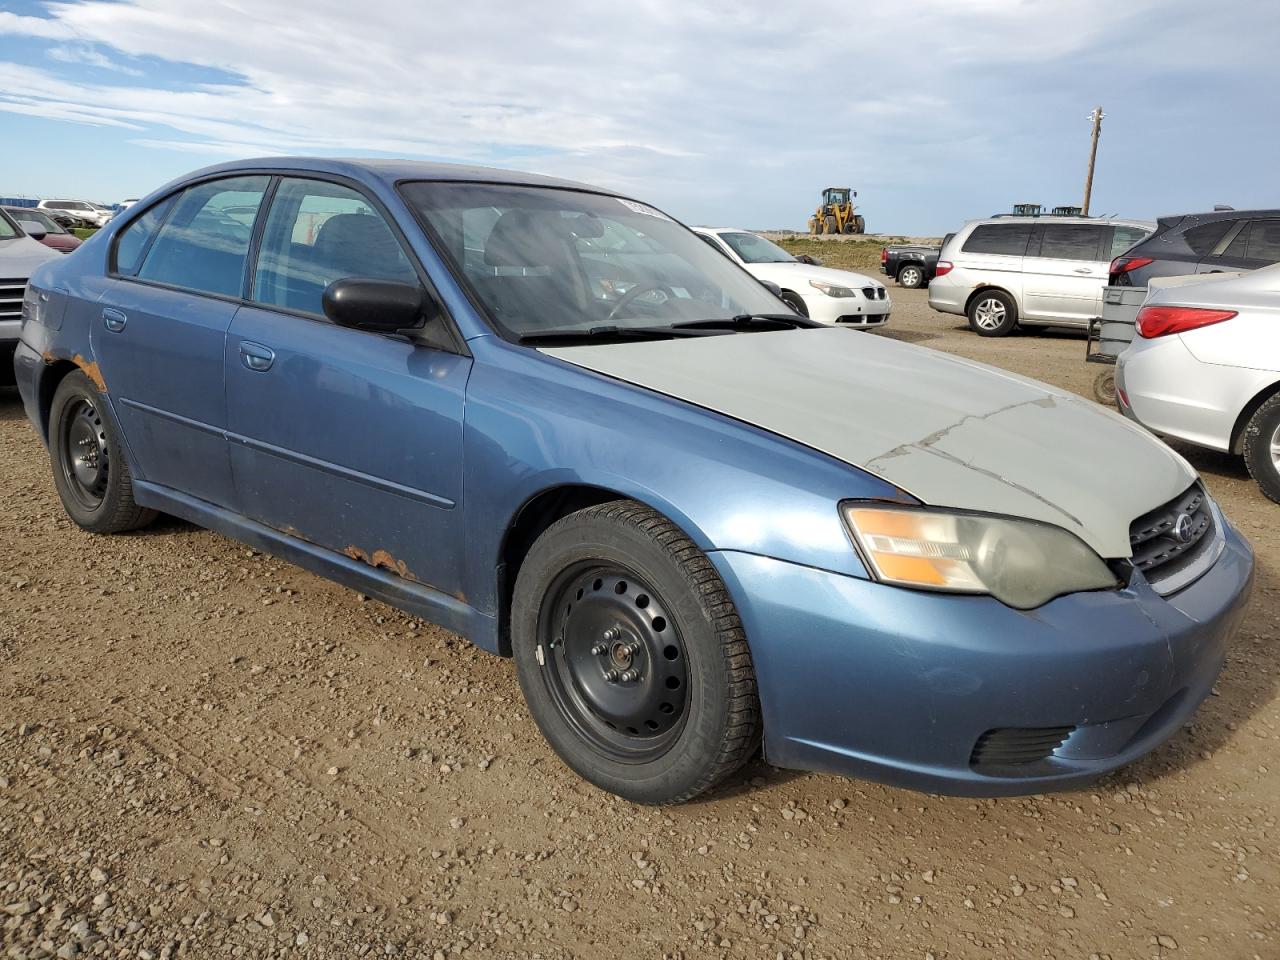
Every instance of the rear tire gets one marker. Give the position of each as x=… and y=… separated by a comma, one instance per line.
x=1104, y=388
x=631, y=655
x=832, y=225
x=89, y=469
x=993, y=313
x=911, y=276
x=1262, y=447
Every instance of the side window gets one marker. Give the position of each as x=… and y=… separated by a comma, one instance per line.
x=1264, y=240
x=1202, y=239
x=205, y=241
x=319, y=232
x=1070, y=241
x=1007, y=239
x=712, y=243
x=1125, y=237
x=1236, y=249
x=135, y=239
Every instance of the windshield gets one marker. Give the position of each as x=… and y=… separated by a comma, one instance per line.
x=543, y=259
x=753, y=249
x=35, y=216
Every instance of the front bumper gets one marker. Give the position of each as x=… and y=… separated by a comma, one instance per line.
x=898, y=686
x=857, y=311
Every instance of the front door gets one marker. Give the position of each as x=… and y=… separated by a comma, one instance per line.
x=347, y=439
x=1064, y=280
x=158, y=332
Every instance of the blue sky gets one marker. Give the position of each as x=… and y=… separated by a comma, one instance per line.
x=719, y=112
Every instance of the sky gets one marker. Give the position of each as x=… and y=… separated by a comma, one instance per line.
x=727, y=113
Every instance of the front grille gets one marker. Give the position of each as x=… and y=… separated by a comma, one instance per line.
x=873, y=293
x=11, y=292
x=1173, y=539
x=1013, y=746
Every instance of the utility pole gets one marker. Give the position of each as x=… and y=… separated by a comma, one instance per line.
x=1096, y=117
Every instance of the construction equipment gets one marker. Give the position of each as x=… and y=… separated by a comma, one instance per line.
x=1026, y=209
x=1068, y=211
x=836, y=214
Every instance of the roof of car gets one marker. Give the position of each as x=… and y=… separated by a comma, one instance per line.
x=722, y=230
x=1049, y=218
x=390, y=171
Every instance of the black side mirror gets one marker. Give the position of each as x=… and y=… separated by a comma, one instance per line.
x=811, y=261
x=773, y=287
x=34, y=230
x=383, y=306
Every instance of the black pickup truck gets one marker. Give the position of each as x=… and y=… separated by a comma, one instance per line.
x=912, y=265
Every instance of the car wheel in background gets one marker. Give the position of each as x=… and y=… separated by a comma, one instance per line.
x=911, y=276
x=1104, y=388
x=89, y=471
x=795, y=302
x=1262, y=447
x=631, y=655
x=993, y=313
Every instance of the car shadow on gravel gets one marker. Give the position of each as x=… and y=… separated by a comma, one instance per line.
x=10, y=405
x=907, y=336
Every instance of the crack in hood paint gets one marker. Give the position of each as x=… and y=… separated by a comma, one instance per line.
x=952, y=432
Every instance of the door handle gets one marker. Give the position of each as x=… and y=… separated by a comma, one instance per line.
x=256, y=357
x=1083, y=270
x=113, y=319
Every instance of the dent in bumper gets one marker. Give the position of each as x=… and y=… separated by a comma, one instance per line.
x=895, y=685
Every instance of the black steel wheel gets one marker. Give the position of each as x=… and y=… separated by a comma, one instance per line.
x=618, y=669
x=89, y=470
x=631, y=655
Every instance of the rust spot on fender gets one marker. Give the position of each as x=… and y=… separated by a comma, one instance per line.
x=382, y=560
x=90, y=368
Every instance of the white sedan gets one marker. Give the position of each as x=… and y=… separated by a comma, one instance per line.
x=1205, y=367
x=819, y=293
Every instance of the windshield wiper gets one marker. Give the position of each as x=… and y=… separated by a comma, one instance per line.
x=748, y=321
x=594, y=334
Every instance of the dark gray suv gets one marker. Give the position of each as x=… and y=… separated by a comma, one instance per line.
x=1224, y=240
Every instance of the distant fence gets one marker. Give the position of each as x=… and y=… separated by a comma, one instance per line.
x=18, y=202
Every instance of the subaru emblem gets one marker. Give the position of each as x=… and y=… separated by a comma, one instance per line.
x=1182, y=527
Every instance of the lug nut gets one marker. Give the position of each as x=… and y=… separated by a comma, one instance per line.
x=600, y=649
x=612, y=633
x=612, y=676
x=633, y=647
x=630, y=675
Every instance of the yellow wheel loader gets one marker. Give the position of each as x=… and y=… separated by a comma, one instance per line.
x=836, y=215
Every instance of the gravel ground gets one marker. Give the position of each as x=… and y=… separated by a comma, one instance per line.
x=207, y=752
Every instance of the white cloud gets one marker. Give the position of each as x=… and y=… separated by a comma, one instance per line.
x=675, y=100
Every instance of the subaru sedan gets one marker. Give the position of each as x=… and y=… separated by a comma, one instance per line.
x=553, y=420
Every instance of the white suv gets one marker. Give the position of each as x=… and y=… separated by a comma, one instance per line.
x=1048, y=271
x=83, y=209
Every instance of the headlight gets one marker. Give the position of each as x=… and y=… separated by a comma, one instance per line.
x=1020, y=563
x=831, y=290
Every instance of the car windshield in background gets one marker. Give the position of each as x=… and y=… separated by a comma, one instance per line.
x=48, y=224
x=8, y=229
x=546, y=259
x=753, y=249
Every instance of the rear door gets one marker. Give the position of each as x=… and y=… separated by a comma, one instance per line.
x=1064, y=272
x=992, y=255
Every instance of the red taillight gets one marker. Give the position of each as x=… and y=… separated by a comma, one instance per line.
x=884, y=254
x=944, y=267
x=1125, y=264
x=1161, y=321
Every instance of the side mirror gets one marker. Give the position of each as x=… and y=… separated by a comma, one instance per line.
x=383, y=306
x=773, y=287
x=35, y=231
x=811, y=261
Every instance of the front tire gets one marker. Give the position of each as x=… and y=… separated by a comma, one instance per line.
x=631, y=656
x=992, y=313
x=911, y=277
x=1262, y=447
x=89, y=469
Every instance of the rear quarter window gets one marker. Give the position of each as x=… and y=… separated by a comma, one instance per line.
x=1202, y=240
x=1071, y=241
x=1005, y=239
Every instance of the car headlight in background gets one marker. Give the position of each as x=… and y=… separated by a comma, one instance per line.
x=833, y=290
x=1019, y=562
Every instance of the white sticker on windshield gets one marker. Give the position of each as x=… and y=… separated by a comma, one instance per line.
x=647, y=210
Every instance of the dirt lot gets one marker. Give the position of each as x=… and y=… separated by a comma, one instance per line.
x=207, y=752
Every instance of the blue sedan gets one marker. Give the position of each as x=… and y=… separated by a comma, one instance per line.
x=553, y=420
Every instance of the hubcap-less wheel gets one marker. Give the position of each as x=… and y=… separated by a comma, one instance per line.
x=989, y=314
x=616, y=664
x=85, y=459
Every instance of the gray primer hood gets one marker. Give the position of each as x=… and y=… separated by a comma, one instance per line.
x=949, y=431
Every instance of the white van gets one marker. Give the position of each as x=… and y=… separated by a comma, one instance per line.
x=1050, y=271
